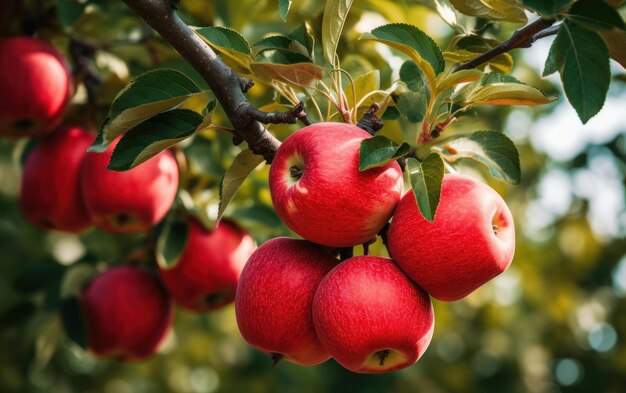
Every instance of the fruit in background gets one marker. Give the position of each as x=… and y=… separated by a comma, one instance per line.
x=318, y=191
x=35, y=83
x=51, y=196
x=471, y=240
x=274, y=297
x=128, y=313
x=371, y=317
x=206, y=274
x=131, y=201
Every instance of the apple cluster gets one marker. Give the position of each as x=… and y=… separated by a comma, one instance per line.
x=127, y=309
x=296, y=301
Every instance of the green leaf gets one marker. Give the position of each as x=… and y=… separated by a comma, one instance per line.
x=74, y=321
x=335, y=14
x=242, y=166
x=234, y=49
x=505, y=10
x=410, y=104
x=363, y=85
x=379, y=151
x=582, y=59
x=426, y=178
x=445, y=81
x=415, y=43
x=283, y=9
x=171, y=243
x=70, y=11
x=595, y=14
x=412, y=76
x=490, y=148
x=497, y=77
x=547, y=7
x=304, y=35
x=508, y=93
x=281, y=43
x=37, y=276
x=146, y=96
x=152, y=137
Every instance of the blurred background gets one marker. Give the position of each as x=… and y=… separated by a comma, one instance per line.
x=554, y=322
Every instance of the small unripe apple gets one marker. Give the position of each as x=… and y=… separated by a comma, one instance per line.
x=50, y=196
x=318, y=191
x=471, y=240
x=371, y=317
x=128, y=313
x=205, y=276
x=35, y=86
x=274, y=298
x=131, y=201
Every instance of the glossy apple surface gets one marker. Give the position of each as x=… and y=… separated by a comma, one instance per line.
x=128, y=313
x=318, y=191
x=35, y=86
x=50, y=192
x=274, y=298
x=132, y=201
x=205, y=276
x=371, y=317
x=471, y=240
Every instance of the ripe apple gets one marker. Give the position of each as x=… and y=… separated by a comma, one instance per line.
x=131, y=201
x=128, y=313
x=205, y=276
x=471, y=240
x=51, y=197
x=274, y=296
x=371, y=317
x=36, y=86
x=318, y=191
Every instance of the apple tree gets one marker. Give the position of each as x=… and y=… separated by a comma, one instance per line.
x=160, y=156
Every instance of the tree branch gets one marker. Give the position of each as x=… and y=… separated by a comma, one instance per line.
x=227, y=86
x=522, y=38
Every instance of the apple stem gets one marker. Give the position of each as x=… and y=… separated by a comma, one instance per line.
x=296, y=172
x=276, y=357
x=382, y=355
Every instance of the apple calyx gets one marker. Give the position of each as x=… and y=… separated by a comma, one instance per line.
x=296, y=172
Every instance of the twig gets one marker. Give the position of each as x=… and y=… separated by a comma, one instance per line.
x=522, y=38
x=370, y=122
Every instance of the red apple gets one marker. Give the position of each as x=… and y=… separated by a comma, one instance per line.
x=35, y=83
x=371, y=317
x=128, y=313
x=318, y=191
x=51, y=197
x=205, y=276
x=131, y=201
x=471, y=240
x=274, y=296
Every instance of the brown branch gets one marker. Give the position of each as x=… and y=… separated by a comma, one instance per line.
x=227, y=86
x=522, y=38
x=370, y=122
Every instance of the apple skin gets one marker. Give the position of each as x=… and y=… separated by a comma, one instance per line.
x=274, y=299
x=371, y=317
x=132, y=201
x=332, y=203
x=205, y=276
x=50, y=196
x=128, y=313
x=459, y=251
x=36, y=85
